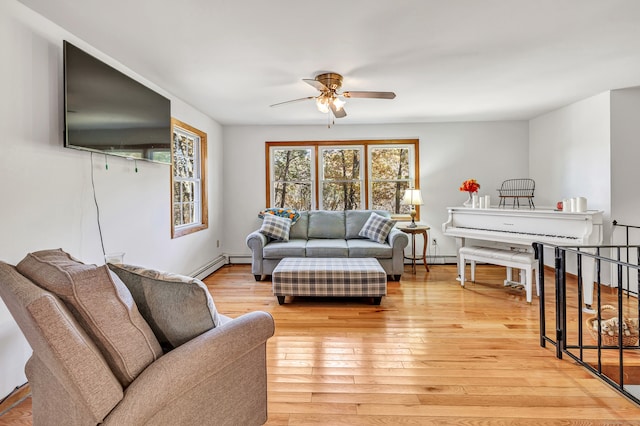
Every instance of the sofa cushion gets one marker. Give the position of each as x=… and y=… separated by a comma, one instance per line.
x=299, y=229
x=291, y=214
x=368, y=248
x=357, y=218
x=178, y=308
x=377, y=228
x=102, y=305
x=276, y=227
x=323, y=247
x=326, y=224
x=280, y=249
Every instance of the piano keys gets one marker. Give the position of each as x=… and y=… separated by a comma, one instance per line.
x=519, y=229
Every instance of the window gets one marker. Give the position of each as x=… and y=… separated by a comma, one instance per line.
x=390, y=173
x=291, y=180
x=341, y=175
x=341, y=180
x=188, y=180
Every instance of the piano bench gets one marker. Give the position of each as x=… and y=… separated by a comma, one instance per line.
x=510, y=259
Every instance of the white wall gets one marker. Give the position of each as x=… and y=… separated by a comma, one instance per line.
x=449, y=153
x=46, y=194
x=569, y=153
x=625, y=155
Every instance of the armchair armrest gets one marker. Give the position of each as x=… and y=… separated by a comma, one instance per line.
x=217, y=378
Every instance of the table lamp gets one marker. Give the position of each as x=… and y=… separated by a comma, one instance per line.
x=412, y=197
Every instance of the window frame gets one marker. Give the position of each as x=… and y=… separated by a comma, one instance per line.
x=316, y=146
x=200, y=182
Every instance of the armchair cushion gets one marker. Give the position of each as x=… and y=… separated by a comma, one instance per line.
x=377, y=228
x=102, y=305
x=178, y=308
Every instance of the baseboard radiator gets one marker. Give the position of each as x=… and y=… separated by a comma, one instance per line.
x=210, y=267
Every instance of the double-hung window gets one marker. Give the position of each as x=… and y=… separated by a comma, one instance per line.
x=188, y=180
x=391, y=172
x=290, y=177
x=341, y=178
x=342, y=175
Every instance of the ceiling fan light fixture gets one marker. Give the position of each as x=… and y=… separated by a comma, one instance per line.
x=322, y=103
x=338, y=103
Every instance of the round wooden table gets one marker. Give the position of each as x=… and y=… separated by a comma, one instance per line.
x=418, y=230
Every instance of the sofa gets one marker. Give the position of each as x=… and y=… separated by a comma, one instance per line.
x=323, y=233
x=98, y=359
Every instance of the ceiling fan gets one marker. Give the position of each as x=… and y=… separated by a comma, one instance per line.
x=329, y=99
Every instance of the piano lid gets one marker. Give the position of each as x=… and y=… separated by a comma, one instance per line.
x=524, y=225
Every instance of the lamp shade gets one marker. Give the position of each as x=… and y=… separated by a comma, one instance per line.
x=412, y=197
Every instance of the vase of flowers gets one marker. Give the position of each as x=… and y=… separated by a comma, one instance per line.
x=470, y=186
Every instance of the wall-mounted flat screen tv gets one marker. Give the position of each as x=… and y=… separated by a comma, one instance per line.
x=111, y=113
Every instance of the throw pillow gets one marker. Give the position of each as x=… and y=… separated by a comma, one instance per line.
x=276, y=227
x=178, y=308
x=377, y=228
x=289, y=213
x=102, y=305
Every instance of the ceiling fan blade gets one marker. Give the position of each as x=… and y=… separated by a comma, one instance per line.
x=292, y=101
x=374, y=95
x=337, y=113
x=315, y=83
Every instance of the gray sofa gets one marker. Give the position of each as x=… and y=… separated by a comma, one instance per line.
x=323, y=233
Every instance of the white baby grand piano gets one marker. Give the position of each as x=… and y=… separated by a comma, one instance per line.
x=519, y=229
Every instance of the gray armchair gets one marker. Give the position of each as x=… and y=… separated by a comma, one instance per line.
x=216, y=378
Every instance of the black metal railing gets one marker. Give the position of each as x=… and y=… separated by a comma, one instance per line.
x=562, y=320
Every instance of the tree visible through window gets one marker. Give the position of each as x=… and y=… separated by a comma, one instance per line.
x=188, y=177
x=341, y=175
x=342, y=179
x=390, y=177
x=292, y=178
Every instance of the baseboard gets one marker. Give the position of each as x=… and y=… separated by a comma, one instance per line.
x=441, y=260
x=15, y=397
x=210, y=267
x=237, y=259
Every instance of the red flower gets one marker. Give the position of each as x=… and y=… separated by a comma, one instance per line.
x=470, y=185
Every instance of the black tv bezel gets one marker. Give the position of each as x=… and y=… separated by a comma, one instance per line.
x=68, y=143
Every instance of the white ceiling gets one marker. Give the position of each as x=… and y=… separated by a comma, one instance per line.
x=447, y=60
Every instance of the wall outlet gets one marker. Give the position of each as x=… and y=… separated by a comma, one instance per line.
x=434, y=242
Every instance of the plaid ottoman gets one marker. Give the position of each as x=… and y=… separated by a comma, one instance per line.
x=316, y=276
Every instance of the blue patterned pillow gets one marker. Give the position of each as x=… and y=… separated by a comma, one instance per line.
x=289, y=213
x=276, y=227
x=377, y=228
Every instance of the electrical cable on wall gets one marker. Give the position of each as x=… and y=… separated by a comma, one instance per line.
x=95, y=200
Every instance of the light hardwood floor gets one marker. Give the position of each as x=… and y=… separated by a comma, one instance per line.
x=431, y=354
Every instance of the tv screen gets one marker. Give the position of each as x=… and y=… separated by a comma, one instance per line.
x=111, y=113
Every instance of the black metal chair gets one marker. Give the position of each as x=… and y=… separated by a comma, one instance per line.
x=516, y=189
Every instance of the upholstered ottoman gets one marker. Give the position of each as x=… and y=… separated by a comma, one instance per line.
x=340, y=277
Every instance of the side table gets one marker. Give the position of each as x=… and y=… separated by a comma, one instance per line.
x=418, y=230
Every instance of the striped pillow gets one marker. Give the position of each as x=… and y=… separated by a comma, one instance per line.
x=276, y=227
x=377, y=228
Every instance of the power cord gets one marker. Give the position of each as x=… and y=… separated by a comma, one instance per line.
x=95, y=200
